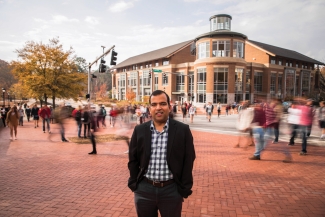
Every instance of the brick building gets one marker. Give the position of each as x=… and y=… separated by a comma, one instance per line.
x=218, y=66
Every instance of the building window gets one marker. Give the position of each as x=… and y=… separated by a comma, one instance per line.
x=305, y=83
x=221, y=49
x=248, y=82
x=238, y=49
x=290, y=82
x=220, y=23
x=258, y=79
x=239, y=79
x=280, y=62
x=201, y=85
x=280, y=83
x=272, y=86
x=297, y=64
x=146, y=80
x=165, y=62
x=165, y=80
x=272, y=60
x=220, y=85
x=156, y=82
x=191, y=83
x=157, y=64
x=204, y=50
x=180, y=83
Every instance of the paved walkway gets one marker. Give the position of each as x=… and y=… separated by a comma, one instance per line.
x=41, y=176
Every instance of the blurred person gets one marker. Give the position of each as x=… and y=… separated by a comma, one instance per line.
x=104, y=113
x=209, y=110
x=306, y=120
x=61, y=114
x=191, y=112
x=245, y=118
x=28, y=112
x=161, y=183
x=270, y=119
x=143, y=114
x=21, y=116
x=93, y=130
x=3, y=115
x=219, y=109
x=45, y=114
x=227, y=109
x=85, y=119
x=12, y=121
x=257, y=127
x=52, y=115
x=114, y=114
x=321, y=118
x=77, y=113
x=294, y=114
x=35, y=115
x=184, y=110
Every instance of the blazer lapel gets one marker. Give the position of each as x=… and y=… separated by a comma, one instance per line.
x=147, y=142
x=171, y=135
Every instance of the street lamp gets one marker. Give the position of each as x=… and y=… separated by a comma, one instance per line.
x=3, y=96
x=8, y=99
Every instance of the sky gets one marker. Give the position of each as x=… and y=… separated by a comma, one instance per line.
x=140, y=26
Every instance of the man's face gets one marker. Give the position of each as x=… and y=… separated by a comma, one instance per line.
x=159, y=108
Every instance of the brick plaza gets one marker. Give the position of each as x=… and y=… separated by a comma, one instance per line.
x=42, y=176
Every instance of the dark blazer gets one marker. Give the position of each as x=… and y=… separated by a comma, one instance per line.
x=180, y=155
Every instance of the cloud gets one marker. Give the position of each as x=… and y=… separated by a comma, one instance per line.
x=59, y=19
x=92, y=20
x=121, y=6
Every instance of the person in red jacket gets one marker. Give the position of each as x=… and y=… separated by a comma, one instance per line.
x=45, y=114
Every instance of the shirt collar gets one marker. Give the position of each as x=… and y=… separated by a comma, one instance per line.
x=166, y=127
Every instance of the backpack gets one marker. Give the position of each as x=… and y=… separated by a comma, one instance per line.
x=78, y=116
x=104, y=112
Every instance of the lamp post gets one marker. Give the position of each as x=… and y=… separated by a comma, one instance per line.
x=8, y=99
x=3, y=96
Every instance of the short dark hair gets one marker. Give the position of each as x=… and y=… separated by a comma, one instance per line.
x=159, y=92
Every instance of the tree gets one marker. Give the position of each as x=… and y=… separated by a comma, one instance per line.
x=81, y=64
x=46, y=70
x=6, y=77
x=130, y=95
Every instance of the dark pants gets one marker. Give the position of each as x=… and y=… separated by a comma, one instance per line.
x=149, y=199
x=294, y=129
x=62, y=131
x=3, y=121
x=28, y=117
x=79, y=124
x=276, y=131
x=93, y=142
x=86, y=130
x=304, y=131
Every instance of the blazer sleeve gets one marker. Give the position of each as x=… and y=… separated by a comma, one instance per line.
x=134, y=162
x=187, y=176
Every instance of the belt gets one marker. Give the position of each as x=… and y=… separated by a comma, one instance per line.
x=159, y=184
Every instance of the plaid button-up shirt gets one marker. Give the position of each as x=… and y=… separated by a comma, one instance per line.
x=158, y=169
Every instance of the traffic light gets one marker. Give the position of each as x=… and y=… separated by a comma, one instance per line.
x=113, y=58
x=149, y=74
x=164, y=76
x=102, y=66
x=87, y=96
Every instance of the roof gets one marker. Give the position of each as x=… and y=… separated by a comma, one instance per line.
x=154, y=55
x=278, y=51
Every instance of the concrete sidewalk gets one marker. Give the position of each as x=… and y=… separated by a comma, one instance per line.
x=42, y=176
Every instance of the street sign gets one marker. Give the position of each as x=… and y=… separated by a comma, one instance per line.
x=156, y=70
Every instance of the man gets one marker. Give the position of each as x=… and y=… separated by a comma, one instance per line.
x=35, y=115
x=45, y=114
x=161, y=158
x=28, y=112
x=209, y=110
x=3, y=115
